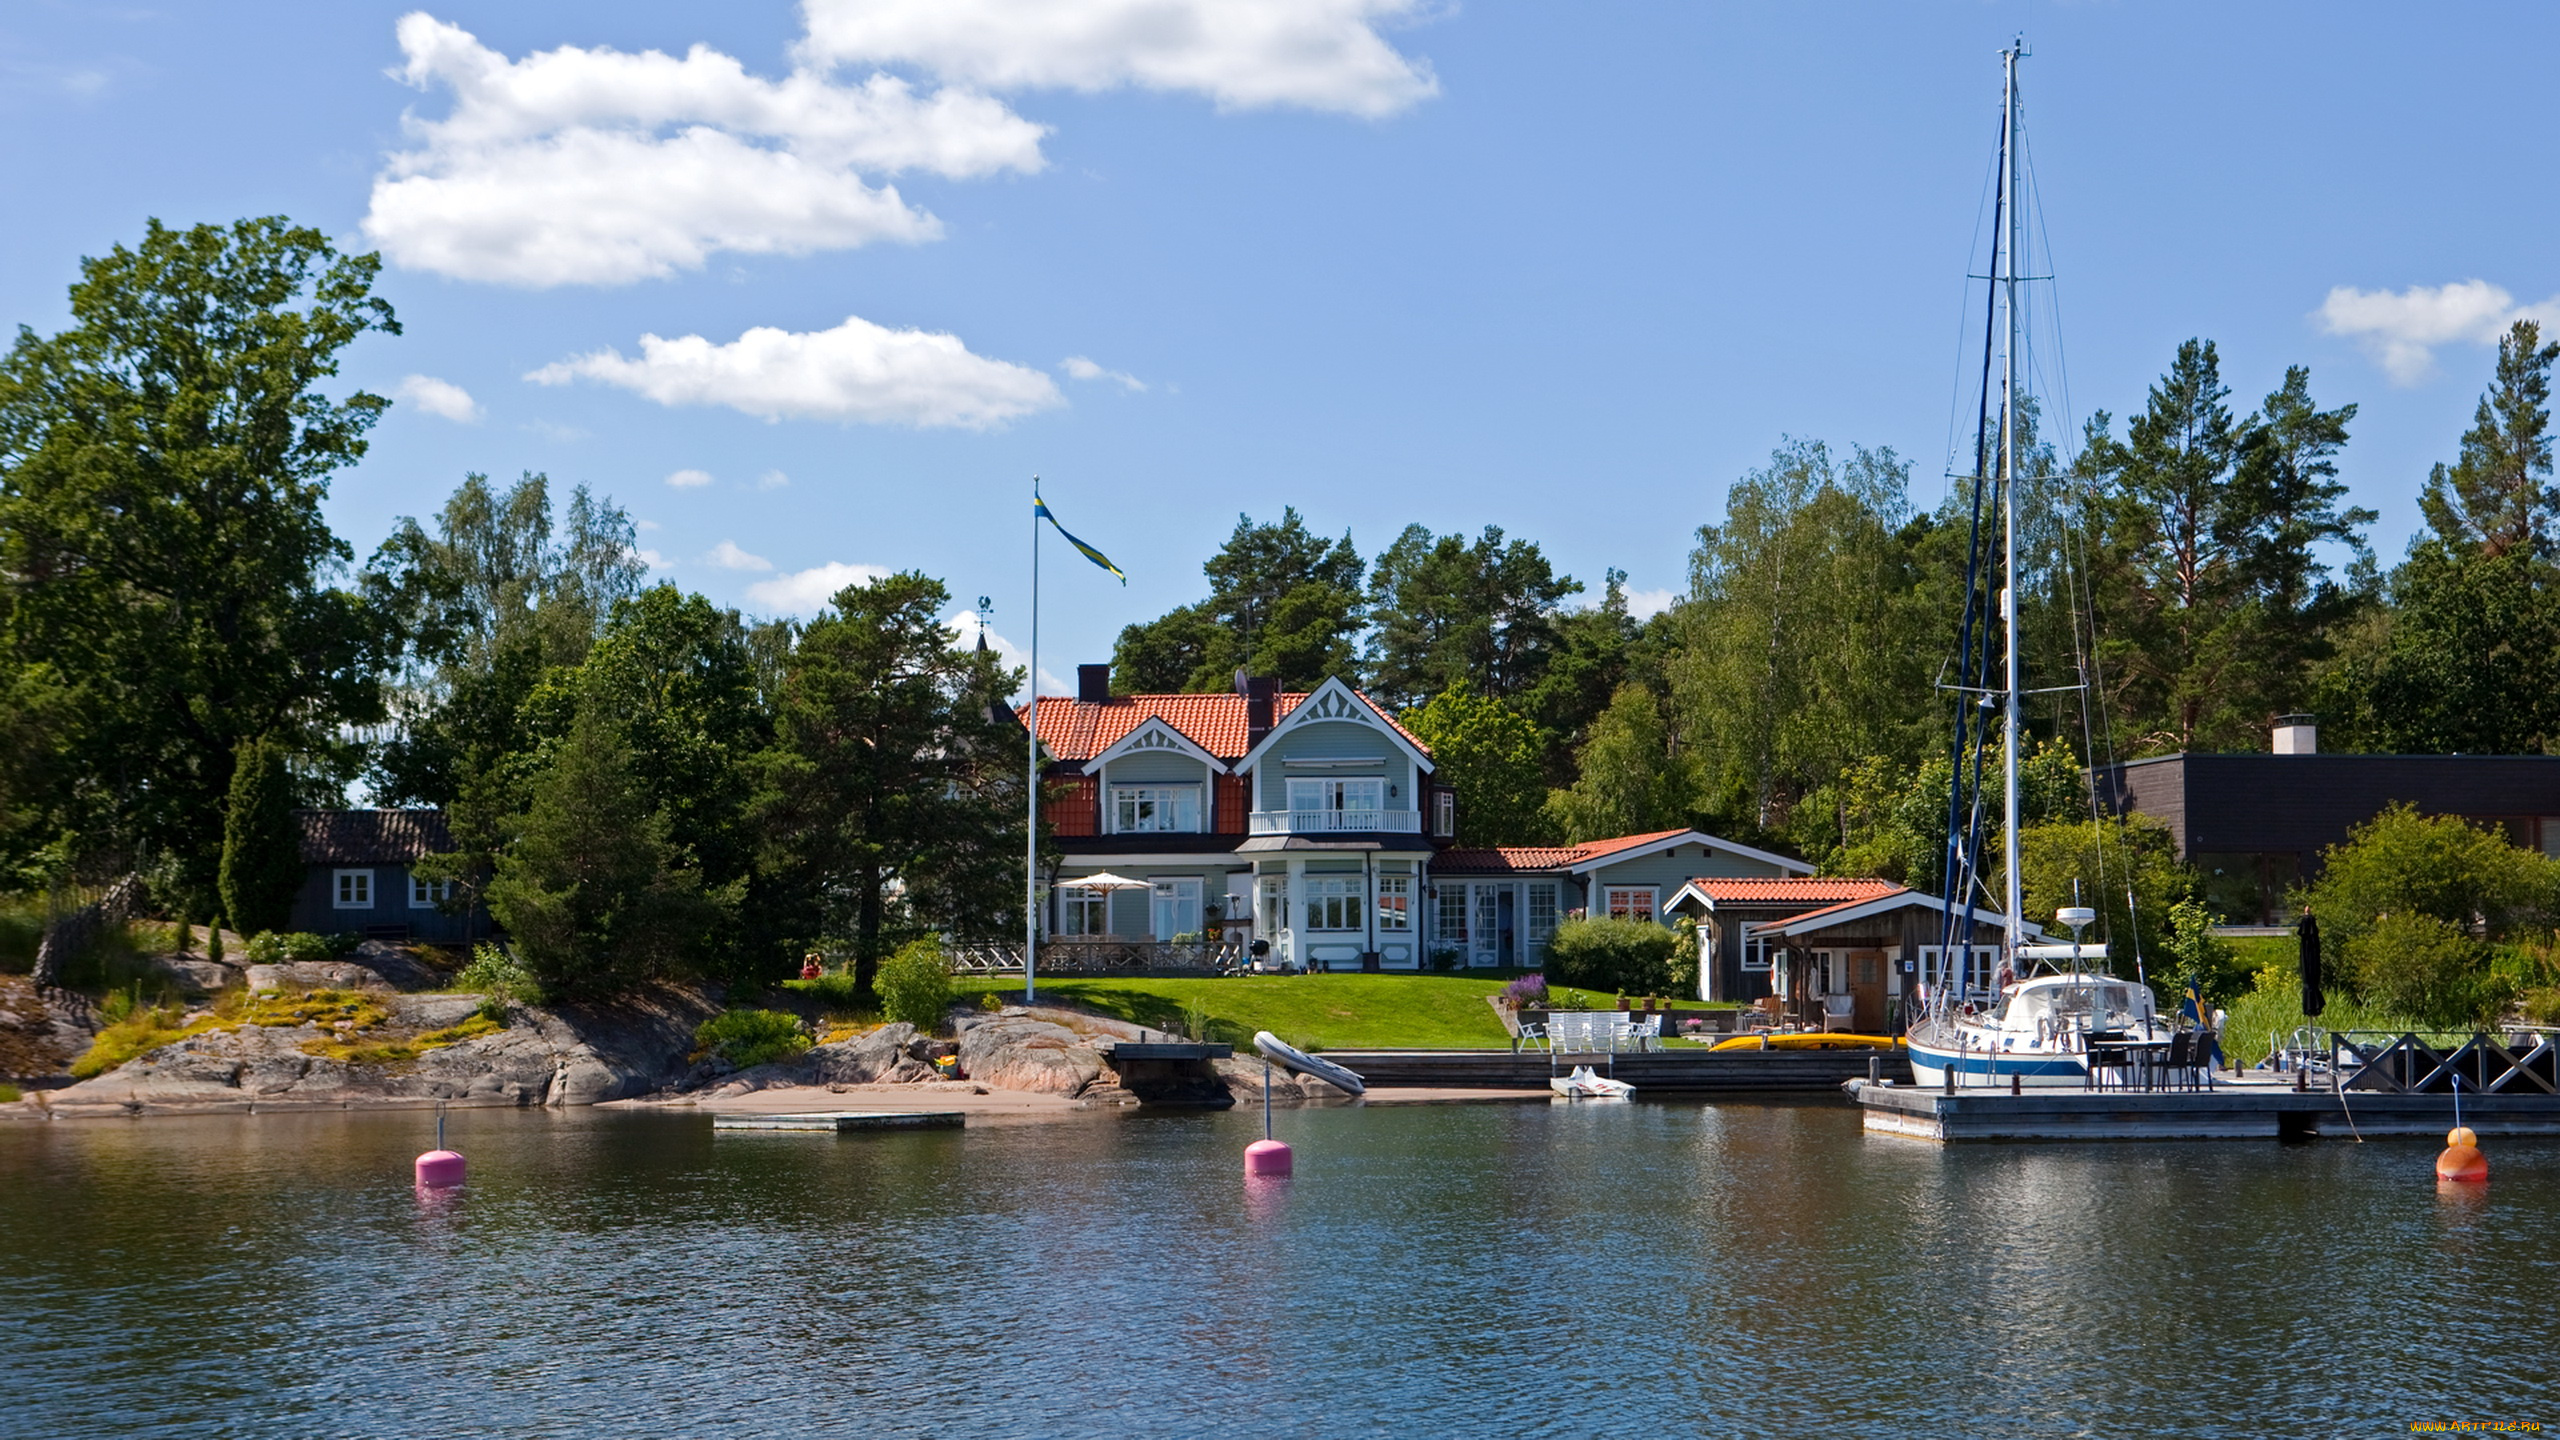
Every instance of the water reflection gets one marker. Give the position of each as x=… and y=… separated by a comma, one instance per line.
x=1475, y=1269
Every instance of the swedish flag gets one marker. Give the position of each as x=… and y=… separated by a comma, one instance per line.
x=1040, y=511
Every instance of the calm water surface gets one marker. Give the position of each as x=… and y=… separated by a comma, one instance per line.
x=1655, y=1269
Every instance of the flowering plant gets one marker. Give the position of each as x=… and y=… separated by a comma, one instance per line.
x=1526, y=991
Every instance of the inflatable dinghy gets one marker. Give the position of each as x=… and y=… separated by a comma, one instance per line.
x=1299, y=1060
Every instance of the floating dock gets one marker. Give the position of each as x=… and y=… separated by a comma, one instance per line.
x=846, y=1122
x=2242, y=1110
x=1654, y=1073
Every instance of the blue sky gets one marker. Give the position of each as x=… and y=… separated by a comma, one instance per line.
x=1568, y=269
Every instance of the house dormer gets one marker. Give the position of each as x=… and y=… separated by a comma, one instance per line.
x=1335, y=763
x=1155, y=780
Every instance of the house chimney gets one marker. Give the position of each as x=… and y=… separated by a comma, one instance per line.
x=1093, y=683
x=2297, y=735
x=1258, y=692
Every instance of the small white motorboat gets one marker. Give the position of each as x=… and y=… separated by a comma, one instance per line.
x=1306, y=1064
x=1584, y=1084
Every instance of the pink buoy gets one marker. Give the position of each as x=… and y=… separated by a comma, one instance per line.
x=1262, y=1157
x=440, y=1167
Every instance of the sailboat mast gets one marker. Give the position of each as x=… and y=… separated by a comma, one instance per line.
x=2013, y=935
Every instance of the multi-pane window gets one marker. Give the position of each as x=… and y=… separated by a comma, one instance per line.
x=1630, y=902
x=1395, y=900
x=1083, y=912
x=1369, y=794
x=355, y=890
x=1141, y=808
x=1542, y=914
x=1444, y=813
x=1453, y=914
x=1333, y=904
x=427, y=894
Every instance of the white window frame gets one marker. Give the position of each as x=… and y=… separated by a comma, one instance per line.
x=1542, y=926
x=1179, y=891
x=1395, y=904
x=1452, y=903
x=1155, y=809
x=1357, y=792
x=1334, y=903
x=1610, y=906
x=1077, y=907
x=351, y=890
x=428, y=894
x=1444, y=813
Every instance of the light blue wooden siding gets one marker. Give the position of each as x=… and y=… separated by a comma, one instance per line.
x=1132, y=913
x=1333, y=740
x=1667, y=871
x=1163, y=767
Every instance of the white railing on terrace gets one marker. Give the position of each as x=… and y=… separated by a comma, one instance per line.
x=1319, y=822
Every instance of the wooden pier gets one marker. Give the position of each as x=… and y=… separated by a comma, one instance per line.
x=2244, y=1110
x=845, y=1122
x=1653, y=1072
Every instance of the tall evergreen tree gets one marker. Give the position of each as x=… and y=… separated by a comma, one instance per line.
x=2497, y=497
x=261, y=845
x=1445, y=611
x=894, y=790
x=1284, y=602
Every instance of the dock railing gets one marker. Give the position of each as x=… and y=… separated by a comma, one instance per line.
x=2521, y=1061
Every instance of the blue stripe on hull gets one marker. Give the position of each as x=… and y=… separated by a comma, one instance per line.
x=1988, y=1064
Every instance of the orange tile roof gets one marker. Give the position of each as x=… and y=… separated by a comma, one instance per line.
x=1072, y=729
x=1822, y=890
x=1594, y=849
x=1888, y=892
x=1504, y=859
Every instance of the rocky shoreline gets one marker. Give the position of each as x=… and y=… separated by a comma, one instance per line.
x=639, y=1049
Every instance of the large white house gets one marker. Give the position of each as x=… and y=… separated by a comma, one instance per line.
x=1312, y=822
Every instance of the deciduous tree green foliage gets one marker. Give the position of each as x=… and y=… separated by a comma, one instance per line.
x=261, y=868
x=1889, y=822
x=2209, y=592
x=1633, y=781
x=591, y=888
x=915, y=985
x=1489, y=754
x=2411, y=900
x=162, y=466
x=2203, y=960
x=2094, y=863
x=1631, y=957
x=1809, y=638
x=1444, y=611
x=894, y=764
x=1283, y=602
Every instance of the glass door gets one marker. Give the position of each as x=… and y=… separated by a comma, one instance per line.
x=1175, y=909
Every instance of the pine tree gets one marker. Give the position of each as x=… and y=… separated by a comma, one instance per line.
x=261, y=867
x=2497, y=497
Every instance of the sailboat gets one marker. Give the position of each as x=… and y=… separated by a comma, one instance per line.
x=2046, y=1017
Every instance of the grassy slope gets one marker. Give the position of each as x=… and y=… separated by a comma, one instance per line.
x=1335, y=1012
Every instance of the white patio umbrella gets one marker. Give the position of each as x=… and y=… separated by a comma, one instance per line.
x=1104, y=880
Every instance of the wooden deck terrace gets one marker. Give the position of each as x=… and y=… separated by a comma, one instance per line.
x=1656, y=1072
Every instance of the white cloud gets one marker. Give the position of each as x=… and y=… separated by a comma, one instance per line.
x=651, y=558
x=590, y=166
x=646, y=525
x=772, y=480
x=856, y=371
x=806, y=592
x=1080, y=368
x=728, y=556
x=1318, y=54
x=689, y=479
x=2402, y=329
x=439, y=397
x=1645, y=604
x=964, y=628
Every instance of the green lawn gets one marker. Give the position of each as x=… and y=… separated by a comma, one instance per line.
x=1330, y=1012
x=1313, y=1012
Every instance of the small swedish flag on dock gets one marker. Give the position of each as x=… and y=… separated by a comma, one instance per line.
x=1040, y=511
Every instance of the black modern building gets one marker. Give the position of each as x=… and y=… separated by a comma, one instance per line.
x=2256, y=824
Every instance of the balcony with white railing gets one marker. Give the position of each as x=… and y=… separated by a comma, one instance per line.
x=1336, y=822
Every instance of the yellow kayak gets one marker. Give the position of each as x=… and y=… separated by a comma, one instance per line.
x=1834, y=1041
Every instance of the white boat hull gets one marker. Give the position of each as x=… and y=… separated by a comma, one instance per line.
x=1583, y=1084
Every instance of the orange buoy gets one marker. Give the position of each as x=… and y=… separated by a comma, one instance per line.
x=2462, y=1162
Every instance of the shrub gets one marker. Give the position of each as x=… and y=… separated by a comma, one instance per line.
x=1445, y=957
x=2428, y=968
x=748, y=1038
x=915, y=985
x=1526, y=992
x=1632, y=957
x=834, y=992
x=2274, y=1010
x=269, y=948
x=8, y=1095
x=213, y=940
x=494, y=972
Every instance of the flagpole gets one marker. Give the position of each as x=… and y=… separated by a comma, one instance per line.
x=1031, y=787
